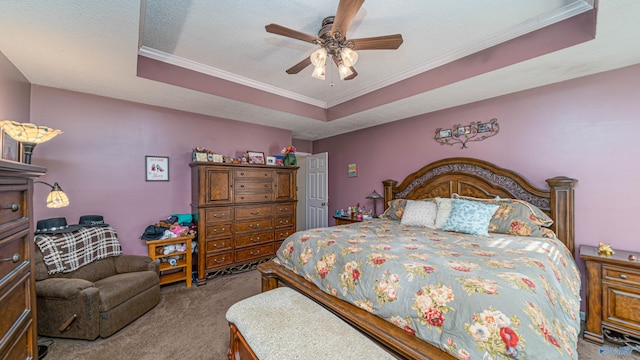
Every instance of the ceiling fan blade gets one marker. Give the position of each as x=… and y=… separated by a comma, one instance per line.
x=347, y=10
x=388, y=42
x=281, y=30
x=299, y=66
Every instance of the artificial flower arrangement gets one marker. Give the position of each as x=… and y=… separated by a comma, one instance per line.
x=289, y=158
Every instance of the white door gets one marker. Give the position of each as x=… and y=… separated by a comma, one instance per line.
x=317, y=191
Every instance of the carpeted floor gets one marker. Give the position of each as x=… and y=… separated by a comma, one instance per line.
x=190, y=324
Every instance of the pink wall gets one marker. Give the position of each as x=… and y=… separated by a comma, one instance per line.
x=585, y=128
x=99, y=159
x=15, y=92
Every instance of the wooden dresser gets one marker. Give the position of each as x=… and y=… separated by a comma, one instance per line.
x=244, y=213
x=18, y=328
x=613, y=295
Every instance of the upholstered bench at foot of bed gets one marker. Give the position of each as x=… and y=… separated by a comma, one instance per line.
x=283, y=324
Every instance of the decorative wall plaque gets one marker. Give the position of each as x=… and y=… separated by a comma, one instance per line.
x=461, y=134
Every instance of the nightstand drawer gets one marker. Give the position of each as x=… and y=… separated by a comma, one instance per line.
x=620, y=275
x=622, y=306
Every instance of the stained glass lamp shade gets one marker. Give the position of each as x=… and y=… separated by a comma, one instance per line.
x=29, y=135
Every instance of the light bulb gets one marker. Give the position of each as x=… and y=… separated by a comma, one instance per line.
x=318, y=72
x=319, y=57
x=344, y=71
x=349, y=57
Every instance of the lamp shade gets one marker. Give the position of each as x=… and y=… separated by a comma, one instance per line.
x=27, y=132
x=29, y=135
x=56, y=198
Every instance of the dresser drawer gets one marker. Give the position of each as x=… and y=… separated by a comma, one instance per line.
x=219, y=245
x=215, y=230
x=254, y=239
x=266, y=174
x=15, y=301
x=14, y=246
x=11, y=206
x=284, y=221
x=284, y=233
x=251, y=225
x=253, y=187
x=249, y=198
x=249, y=212
x=217, y=214
x=620, y=275
x=219, y=260
x=282, y=209
x=254, y=253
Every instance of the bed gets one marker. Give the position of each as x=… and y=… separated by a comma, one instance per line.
x=447, y=294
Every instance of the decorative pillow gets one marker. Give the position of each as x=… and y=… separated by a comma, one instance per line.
x=516, y=217
x=395, y=209
x=419, y=213
x=444, y=209
x=470, y=217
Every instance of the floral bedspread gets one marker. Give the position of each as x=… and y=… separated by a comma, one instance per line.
x=475, y=297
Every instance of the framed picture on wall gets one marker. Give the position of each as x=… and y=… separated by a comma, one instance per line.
x=10, y=148
x=157, y=168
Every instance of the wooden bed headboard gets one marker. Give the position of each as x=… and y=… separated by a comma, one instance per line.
x=481, y=179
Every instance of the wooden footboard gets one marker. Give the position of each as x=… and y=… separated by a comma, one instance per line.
x=395, y=340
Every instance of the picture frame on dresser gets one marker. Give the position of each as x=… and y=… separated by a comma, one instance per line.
x=256, y=157
x=10, y=147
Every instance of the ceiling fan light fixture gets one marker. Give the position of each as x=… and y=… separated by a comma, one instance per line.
x=319, y=72
x=344, y=71
x=319, y=57
x=349, y=57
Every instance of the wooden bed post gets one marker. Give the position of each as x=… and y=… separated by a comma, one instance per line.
x=388, y=192
x=562, y=207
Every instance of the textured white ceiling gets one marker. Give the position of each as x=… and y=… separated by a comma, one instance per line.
x=92, y=46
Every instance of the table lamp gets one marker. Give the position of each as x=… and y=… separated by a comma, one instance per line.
x=374, y=196
x=29, y=135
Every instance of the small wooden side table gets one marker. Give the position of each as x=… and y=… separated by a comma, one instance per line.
x=344, y=220
x=613, y=295
x=182, y=269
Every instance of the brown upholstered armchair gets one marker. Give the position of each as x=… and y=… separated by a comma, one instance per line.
x=97, y=299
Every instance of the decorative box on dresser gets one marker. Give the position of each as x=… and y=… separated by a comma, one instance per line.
x=244, y=213
x=613, y=295
x=18, y=328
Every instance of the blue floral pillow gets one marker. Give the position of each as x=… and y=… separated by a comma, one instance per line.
x=470, y=217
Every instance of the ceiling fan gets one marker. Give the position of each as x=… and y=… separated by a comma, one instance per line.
x=333, y=42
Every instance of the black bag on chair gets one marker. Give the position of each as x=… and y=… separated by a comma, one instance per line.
x=153, y=232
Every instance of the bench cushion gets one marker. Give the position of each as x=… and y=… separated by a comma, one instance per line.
x=284, y=324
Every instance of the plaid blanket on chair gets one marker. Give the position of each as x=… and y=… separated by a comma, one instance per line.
x=69, y=251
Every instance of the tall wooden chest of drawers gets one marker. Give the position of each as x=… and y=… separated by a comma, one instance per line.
x=18, y=328
x=244, y=212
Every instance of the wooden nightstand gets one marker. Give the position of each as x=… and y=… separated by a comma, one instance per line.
x=343, y=220
x=613, y=295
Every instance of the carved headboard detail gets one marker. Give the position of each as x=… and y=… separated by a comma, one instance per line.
x=481, y=179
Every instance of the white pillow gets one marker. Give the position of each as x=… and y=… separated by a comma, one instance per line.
x=419, y=213
x=444, y=209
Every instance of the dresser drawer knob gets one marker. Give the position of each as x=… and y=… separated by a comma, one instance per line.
x=256, y=253
x=14, y=207
x=219, y=261
x=15, y=258
x=255, y=240
x=255, y=212
x=623, y=276
x=218, y=246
